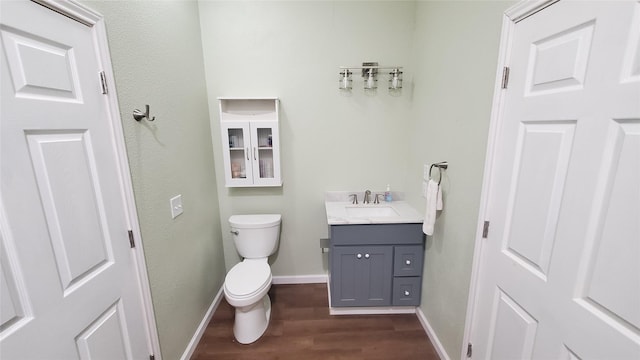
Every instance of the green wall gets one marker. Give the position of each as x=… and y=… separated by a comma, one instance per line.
x=456, y=53
x=329, y=140
x=157, y=60
x=335, y=142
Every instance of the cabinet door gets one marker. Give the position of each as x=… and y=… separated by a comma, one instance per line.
x=236, y=145
x=361, y=275
x=376, y=275
x=406, y=291
x=265, y=153
x=407, y=260
x=344, y=275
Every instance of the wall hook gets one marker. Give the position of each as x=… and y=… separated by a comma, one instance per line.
x=139, y=115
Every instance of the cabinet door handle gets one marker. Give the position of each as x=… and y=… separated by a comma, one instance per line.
x=366, y=256
x=406, y=293
x=359, y=256
x=408, y=262
x=247, y=152
x=254, y=154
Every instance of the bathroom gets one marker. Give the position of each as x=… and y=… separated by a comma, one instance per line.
x=554, y=257
x=186, y=54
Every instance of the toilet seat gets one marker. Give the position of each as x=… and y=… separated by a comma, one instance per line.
x=247, y=278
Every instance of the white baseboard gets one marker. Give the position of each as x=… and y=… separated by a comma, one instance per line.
x=300, y=279
x=432, y=335
x=372, y=310
x=188, y=352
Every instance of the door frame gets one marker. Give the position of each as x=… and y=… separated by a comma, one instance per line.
x=511, y=16
x=93, y=19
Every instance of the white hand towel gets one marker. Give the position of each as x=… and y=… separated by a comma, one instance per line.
x=439, y=205
x=432, y=203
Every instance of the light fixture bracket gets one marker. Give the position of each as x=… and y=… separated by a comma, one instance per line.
x=370, y=66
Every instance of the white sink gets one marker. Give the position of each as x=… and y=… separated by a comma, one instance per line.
x=341, y=211
x=370, y=211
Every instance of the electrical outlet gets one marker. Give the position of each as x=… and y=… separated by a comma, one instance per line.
x=176, y=206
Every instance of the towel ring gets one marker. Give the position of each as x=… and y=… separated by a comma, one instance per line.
x=441, y=165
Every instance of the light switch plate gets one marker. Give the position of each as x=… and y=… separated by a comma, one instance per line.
x=176, y=206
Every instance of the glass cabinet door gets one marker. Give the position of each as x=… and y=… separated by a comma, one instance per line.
x=238, y=153
x=265, y=153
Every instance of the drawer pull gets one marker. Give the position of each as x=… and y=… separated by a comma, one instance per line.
x=408, y=262
x=406, y=293
x=366, y=256
x=359, y=256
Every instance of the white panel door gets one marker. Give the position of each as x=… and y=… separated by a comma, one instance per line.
x=68, y=281
x=559, y=274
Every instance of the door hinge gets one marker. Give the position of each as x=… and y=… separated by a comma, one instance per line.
x=152, y=357
x=131, y=241
x=469, y=350
x=103, y=82
x=485, y=230
x=505, y=77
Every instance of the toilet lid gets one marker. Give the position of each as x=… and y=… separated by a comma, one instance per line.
x=247, y=277
x=254, y=221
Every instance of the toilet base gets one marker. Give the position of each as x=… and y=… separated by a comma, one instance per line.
x=252, y=321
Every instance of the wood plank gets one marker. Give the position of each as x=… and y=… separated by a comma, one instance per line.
x=301, y=328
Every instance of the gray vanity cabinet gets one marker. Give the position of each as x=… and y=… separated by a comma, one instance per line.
x=376, y=264
x=364, y=278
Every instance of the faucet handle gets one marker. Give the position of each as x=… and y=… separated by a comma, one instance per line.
x=355, y=198
x=367, y=197
x=376, y=201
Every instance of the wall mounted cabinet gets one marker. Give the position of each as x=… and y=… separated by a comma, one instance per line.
x=250, y=141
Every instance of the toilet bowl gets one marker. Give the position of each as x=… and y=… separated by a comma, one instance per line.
x=247, y=284
x=245, y=288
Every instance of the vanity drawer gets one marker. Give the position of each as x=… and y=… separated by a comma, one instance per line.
x=376, y=234
x=406, y=291
x=407, y=260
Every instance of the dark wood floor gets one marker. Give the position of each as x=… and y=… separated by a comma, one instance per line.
x=301, y=328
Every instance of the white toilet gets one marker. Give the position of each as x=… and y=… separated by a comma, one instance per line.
x=246, y=284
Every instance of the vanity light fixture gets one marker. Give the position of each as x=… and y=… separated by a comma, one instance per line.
x=345, y=81
x=395, y=79
x=369, y=71
x=371, y=79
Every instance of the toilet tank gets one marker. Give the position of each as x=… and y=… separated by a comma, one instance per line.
x=255, y=236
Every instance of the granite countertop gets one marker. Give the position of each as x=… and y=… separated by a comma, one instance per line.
x=341, y=211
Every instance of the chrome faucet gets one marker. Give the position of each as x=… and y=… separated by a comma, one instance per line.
x=366, y=199
x=355, y=198
x=376, y=199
